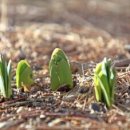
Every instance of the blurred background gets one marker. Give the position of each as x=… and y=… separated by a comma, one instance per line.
x=112, y=16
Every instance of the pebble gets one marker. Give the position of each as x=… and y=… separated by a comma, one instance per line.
x=97, y=107
x=20, y=109
x=94, y=107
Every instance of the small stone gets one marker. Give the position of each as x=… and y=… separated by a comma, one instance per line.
x=97, y=107
x=20, y=109
x=42, y=116
x=94, y=107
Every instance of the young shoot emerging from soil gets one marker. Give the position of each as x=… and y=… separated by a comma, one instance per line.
x=59, y=69
x=24, y=76
x=104, y=82
x=5, y=77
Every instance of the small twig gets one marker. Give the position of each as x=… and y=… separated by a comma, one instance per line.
x=124, y=74
x=9, y=124
x=123, y=107
x=15, y=104
x=121, y=68
x=13, y=100
x=122, y=63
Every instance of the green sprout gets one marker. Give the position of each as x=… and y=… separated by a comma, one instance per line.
x=59, y=69
x=24, y=76
x=104, y=82
x=5, y=77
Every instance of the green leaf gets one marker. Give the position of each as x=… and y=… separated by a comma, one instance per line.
x=98, y=93
x=64, y=73
x=59, y=69
x=55, y=80
x=24, y=75
x=5, y=77
x=9, y=78
x=105, y=93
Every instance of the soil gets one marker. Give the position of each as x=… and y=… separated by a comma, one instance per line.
x=87, y=31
